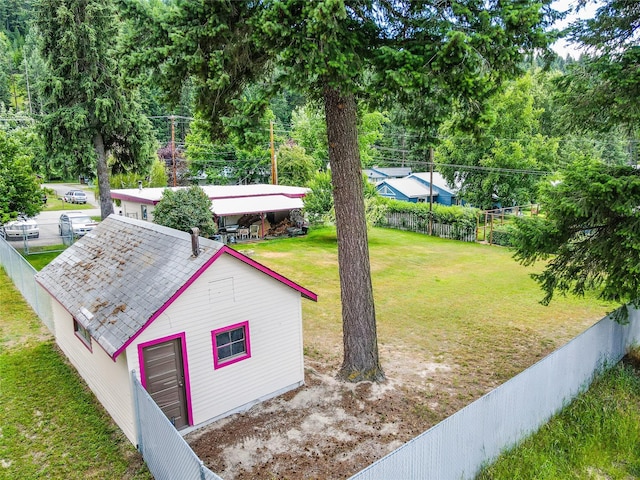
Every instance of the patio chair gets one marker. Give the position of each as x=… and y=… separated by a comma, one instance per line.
x=254, y=231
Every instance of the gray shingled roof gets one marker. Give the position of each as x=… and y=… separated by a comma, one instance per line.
x=117, y=276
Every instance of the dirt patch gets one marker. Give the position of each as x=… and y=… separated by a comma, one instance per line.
x=326, y=428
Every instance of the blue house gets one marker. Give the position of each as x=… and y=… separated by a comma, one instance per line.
x=376, y=175
x=446, y=194
x=415, y=189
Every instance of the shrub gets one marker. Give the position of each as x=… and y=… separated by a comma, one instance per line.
x=502, y=235
x=462, y=219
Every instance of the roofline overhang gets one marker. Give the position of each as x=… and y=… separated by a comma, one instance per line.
x=131, y=198
x=224, y=249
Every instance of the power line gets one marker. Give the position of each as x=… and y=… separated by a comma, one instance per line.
x=513, y=171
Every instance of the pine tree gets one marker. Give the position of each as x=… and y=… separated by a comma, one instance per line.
x=340, y=52
x=88, y=112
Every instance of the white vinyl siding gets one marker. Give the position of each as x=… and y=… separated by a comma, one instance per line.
x=228, y=293
x=108, y=380
x=134, y=210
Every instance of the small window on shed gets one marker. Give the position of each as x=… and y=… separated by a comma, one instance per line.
x=82, y=333
x=230, y=344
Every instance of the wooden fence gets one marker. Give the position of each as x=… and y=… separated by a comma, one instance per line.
x=414, y=223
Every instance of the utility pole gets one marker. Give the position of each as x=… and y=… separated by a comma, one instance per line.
x=431, y=157
x=274, y=165
x=173, y=148
x=26, y=76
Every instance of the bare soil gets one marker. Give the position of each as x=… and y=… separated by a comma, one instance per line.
x=329, y=429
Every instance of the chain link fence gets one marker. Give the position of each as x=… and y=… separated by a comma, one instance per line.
x=165, y=452
x=460, y=445
x=22, y=274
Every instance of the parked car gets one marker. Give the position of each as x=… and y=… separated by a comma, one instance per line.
x=75, y=223
x=75, y=196
x=23, y=227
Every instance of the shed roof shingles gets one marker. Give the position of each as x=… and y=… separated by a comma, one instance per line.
x=122, y=273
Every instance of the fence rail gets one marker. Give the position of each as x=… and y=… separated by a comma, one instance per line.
x=165, y=452
x=460, y=445
x=415, y=223
x=22, y=274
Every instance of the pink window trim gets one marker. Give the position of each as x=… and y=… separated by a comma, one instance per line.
x=89, y=344
x=219, y=364
x=185, y=366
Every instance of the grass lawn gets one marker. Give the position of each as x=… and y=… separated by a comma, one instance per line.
x=596, y=437
x=55, y=204
x=51, y=425
x=458, y=318
x=39, y=257
x=467, y=308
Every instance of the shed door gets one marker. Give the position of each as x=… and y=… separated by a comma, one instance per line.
x=164, y=379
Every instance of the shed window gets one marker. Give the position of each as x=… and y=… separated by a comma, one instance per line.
x=82, y=333
x=231, y=344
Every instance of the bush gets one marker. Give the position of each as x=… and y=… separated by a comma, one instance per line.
x=463, y=219
x=185, y=208
x=502, y=235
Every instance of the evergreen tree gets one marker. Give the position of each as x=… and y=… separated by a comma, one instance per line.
x=601, y=92
x=589, y=234
x=88, y=113
x=338, y=51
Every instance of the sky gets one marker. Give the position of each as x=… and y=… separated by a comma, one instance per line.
x=561, y=47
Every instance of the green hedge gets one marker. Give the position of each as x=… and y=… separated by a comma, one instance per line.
x=460, y=222
x=463, y=217
x=502, y=235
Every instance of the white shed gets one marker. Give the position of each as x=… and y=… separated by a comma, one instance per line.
x=207, y=330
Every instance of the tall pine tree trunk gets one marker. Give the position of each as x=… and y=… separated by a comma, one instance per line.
x=358, y=313
x=106, y=205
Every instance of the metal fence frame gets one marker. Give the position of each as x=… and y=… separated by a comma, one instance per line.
x=460, y=445
x=22, y=274
x=165, y=452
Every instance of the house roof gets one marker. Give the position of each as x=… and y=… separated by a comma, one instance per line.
x=152, y=196
x=123, y=274
x=244, y=205
x=409, y=187
x=438, y=180
x=373, y=174
x=397, y=172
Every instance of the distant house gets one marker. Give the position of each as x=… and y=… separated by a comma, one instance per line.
x=416, y=188
x=229, y=203
x=447, y=195
x=207, y=330
x=405, y=189
x=376, y=175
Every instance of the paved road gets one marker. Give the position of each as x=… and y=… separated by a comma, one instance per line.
x=48, y=221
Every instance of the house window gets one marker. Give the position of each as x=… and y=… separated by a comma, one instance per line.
x=143, y=211
x=82, y=333
x=230, y=344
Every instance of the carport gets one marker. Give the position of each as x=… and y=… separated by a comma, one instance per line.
x=229, y=211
